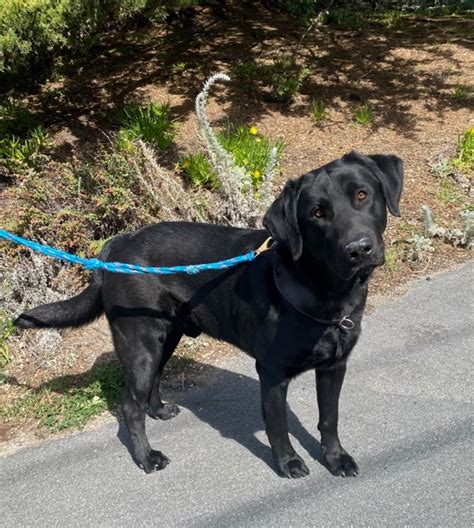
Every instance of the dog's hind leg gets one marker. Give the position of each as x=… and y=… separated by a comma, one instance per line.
x=139, y=346
x=156, y=407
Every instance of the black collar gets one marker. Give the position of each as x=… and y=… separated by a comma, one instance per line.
x=291, y=289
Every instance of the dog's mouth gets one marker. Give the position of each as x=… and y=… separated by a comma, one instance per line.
x=366, y=265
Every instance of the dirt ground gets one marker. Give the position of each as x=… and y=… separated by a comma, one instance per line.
x=407, y=75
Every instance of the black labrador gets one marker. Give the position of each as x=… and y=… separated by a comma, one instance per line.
x=297, y=306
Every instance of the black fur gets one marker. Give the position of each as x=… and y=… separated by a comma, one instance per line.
x=317, y=269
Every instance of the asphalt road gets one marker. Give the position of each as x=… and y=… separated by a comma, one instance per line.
x=406, y=417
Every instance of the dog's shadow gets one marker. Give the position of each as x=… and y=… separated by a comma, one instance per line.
x=230, y=404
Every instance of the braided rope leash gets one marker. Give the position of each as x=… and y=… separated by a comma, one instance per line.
x=123, y=267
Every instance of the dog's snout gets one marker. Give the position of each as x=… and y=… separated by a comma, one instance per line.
x=359, y=249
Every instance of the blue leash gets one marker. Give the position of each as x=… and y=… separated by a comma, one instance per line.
x=122, y=267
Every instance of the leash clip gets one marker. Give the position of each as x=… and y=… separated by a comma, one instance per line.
x=346, y=324
x=266, y=245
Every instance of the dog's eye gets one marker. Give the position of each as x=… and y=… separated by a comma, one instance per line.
x=361, y=196
x=318, y=212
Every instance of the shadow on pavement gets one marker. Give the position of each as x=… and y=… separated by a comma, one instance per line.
x=230, y=404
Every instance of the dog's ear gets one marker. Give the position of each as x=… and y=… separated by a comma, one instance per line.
x=281, y=221
x=390, y=175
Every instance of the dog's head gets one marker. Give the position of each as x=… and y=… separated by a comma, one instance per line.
x=336, y=215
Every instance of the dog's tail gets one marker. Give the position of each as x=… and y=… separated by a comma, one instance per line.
x=77, y=311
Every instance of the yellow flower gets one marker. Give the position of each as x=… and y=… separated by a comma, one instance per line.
x=186, y=164
x=256, y=174
x=471, y=131
x=253, y=130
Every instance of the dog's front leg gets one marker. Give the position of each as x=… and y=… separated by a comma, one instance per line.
x=273, y=391
x=329, y=383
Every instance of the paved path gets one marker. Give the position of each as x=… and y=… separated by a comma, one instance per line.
x=406, y=417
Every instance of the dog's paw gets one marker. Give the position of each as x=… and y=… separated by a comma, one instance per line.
x=292, y=467
x=341, y=464
x=154, y=461
x=166, y=412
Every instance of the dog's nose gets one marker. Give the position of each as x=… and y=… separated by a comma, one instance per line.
x=359, y=249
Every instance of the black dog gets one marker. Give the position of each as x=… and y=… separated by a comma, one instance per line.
x=297, y=306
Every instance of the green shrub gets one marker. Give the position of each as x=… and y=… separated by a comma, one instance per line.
x=249, y=75
x=461, y=92
x=318, y=111
x=250, y=150
x=392, y=259
x=198, y=170
x=285, y=78
x=465, y=159
x=31, y=32
x=346, y=19
x=15, y=120
x=48, y=207
x=152, y=123
x=21, y=139
x=15, y=151
x=34, y=32
x=391, y=19
x=364, y=114
x=302, y=10
x=6, y=330
x=247, y=71
x=448, y=191
x=117, y=198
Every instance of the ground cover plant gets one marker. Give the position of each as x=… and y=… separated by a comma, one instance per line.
x=63, y=404
x=465, y=159
x=282, y=77
x=152, y=123
x=21, y=138
x=364, y=114
x=250, y=150
x=88, y=183
x=318, y=111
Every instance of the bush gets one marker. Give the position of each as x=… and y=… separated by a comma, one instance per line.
x=302, y=10
x=151, y=123
x=15, y=120
x=347, y=19
x=34, y=32
x=318, y=111
x=250, y=151
x=15, y=151
x=77, y=207
x=198, y=169
x=6, y=331
x=31, y=32
x=465, y=159
x=286, y=78
x=364, y=114
x=49, y=207
x=239, y=206
x=21, y=139
x=283, y=76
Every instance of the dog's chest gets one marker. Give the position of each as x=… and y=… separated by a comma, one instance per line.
x=319, y=346
x=333, y=346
